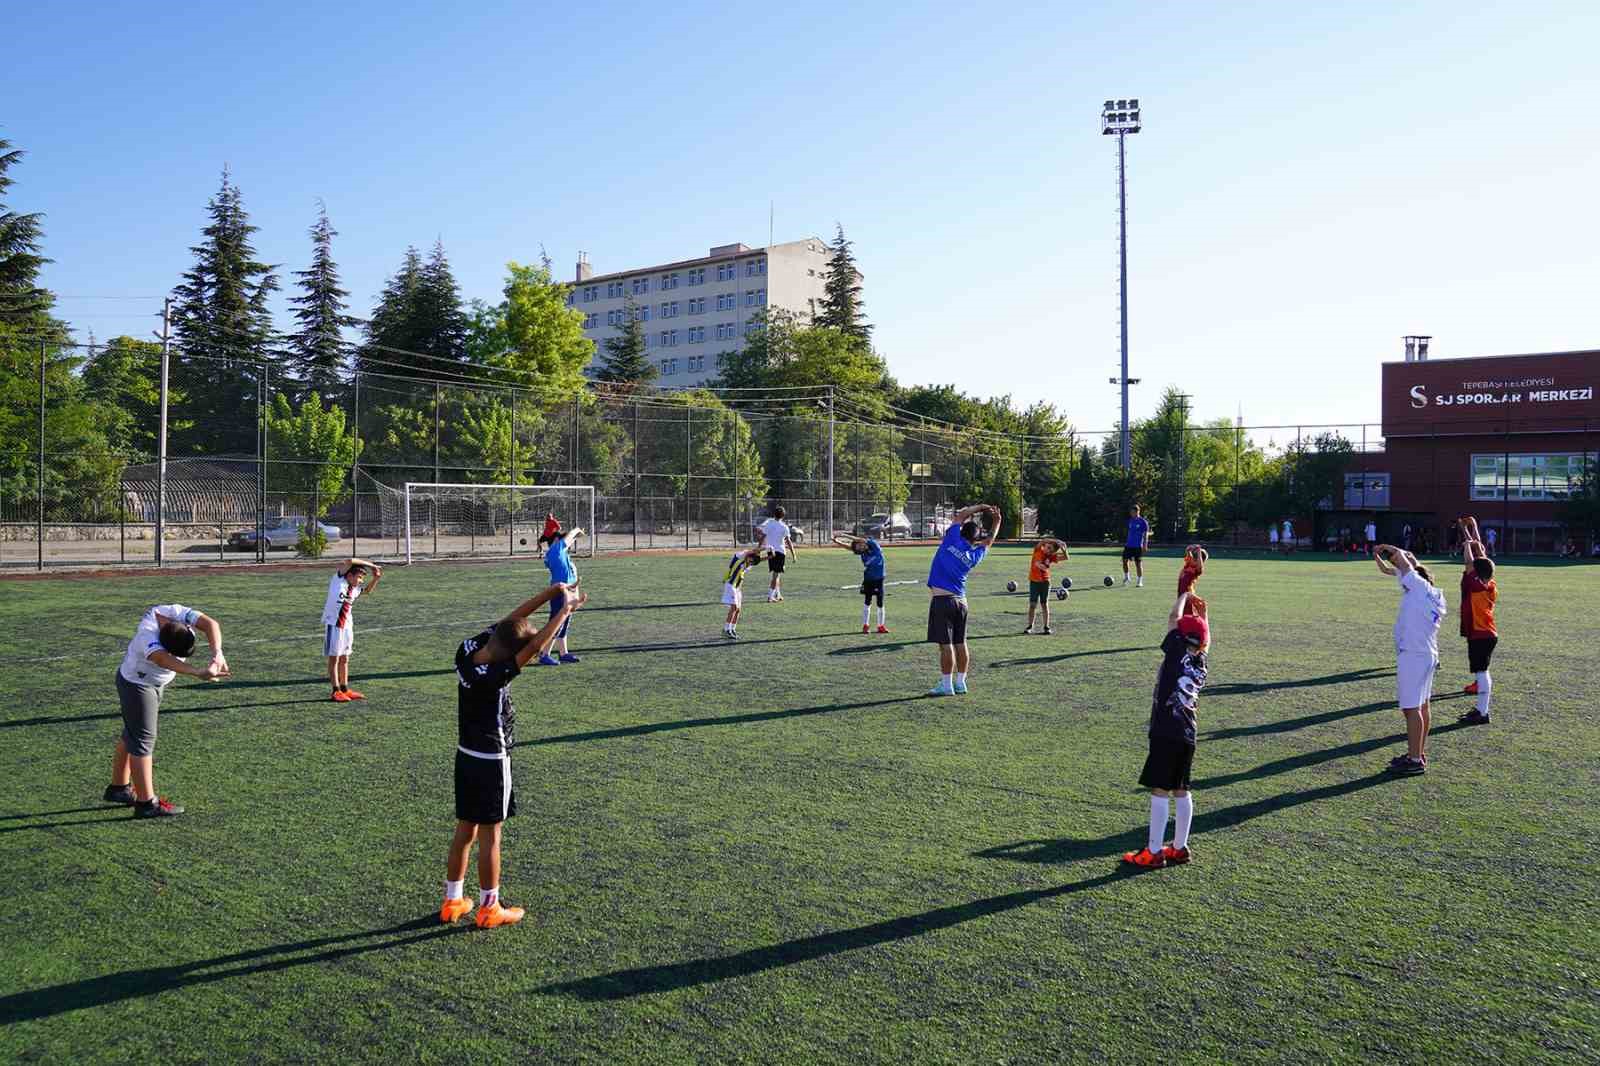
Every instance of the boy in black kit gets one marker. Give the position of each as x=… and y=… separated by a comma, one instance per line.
x=1172, y=723
x=485, y=666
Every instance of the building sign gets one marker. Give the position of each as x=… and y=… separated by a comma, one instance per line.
x=1517, y=393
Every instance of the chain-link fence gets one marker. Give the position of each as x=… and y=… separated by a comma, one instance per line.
x=254, y=470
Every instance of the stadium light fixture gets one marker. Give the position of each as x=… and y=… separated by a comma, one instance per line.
x=1122, y=117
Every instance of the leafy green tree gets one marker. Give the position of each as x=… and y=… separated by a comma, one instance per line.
x=122, y=379
x=841, y=292
x=695, y=431
x=224, y=330
x=317, y=347
x=627, y=360
x=546, y=348
x=312, y=450
x=21, y=245
x=443, y=320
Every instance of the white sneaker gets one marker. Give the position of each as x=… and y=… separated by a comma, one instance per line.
x=1125, y=579
x=1139, y=584
x=941, y=689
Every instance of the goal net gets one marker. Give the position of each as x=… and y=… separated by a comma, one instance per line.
x=442, y=520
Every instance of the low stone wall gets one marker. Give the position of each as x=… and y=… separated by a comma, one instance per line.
x=12, y=532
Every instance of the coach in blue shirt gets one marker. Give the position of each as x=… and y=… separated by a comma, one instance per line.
x=964, y=546
x=1133, y=548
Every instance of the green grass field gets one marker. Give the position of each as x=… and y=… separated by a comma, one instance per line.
x=777, y=851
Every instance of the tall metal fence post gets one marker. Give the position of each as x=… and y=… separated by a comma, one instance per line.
x=830, y=461
x=261, y=464
x=688, y=469
x=41, y=453
x=161, y=437
x=636, y=473
x=1238, y=446
x=511, y=524
x=122, y=516
x=355, y=468
x=433, y=506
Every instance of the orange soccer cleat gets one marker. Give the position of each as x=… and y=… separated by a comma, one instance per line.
x=340, y=696
x=494, y=914
x=1145, y=858
x=454, y=910
x=352, y=694
x=1175, y=856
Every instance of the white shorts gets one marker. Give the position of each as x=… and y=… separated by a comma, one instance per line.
x=1414, y=678
x=338, y=640
x=731, y=596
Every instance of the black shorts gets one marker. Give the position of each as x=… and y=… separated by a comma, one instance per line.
x=775, y=562
x=484, y=795
x=1479, y=651
x=947, y=620
x=140, y=704
x=1168, y=764
x=1038, y=592
x=1135, y=554
x=870, y=587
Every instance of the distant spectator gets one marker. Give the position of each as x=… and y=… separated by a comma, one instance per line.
x=1489, y=541
x=1571, y=550
x=1288, y=535
x=1405, y=536
x=1272, y=536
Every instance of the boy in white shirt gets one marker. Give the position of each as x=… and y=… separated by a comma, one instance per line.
x=344, y=588
x=1416, y=644
x=161, y=643
x=777, y=543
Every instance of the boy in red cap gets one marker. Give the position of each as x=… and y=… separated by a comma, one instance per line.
x=1172, y=734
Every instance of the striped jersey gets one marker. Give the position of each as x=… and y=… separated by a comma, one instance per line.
x=737, y=567
x=342, y=596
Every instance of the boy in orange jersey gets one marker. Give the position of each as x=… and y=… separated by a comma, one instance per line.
x=1478, y=596
x=1046, y=554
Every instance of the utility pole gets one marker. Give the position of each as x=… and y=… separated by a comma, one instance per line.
x=831, y=526
x=41, y=452
x=161, y=440
x=1121, y=117
x=1183, y=464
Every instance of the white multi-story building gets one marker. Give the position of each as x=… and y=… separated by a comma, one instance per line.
x=695, y=309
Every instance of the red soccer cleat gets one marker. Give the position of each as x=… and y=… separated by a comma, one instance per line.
x=883, y=629
x=866, y=629
x=1145, y=858
x=1470, y=690
x=1175, y=856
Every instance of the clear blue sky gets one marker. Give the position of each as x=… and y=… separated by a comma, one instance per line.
x=1313, y=181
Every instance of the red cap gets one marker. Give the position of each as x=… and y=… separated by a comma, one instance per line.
x=1194, y=630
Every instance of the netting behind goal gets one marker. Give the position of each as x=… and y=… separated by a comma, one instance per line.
x=443, y=520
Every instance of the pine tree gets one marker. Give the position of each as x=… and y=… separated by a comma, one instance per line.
x=627, y=358
x=317, y=347
x=419, y=320
x=21, y=235
x=224, y=329
x=841, y=292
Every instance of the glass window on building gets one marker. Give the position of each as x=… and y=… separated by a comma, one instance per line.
x=1366, y=492
x=1553, y=476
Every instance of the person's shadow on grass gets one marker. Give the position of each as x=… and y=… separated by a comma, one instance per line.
x=1245, y=688
x=647, y=728
x=149, y=981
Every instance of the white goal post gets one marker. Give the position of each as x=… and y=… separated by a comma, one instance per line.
x=443, y=518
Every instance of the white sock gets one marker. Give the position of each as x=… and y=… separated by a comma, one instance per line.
x=944, y=680
x=866, y=614
x=452, y=889
x=1484, y=685
x=883, y=616
x=1183, y=811
x=1158, y=823
x=961, y=677
x=488, y=897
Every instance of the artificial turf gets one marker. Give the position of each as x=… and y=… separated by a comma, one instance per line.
x=777, y=850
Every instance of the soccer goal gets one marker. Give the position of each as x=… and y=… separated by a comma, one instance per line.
x=442, y=520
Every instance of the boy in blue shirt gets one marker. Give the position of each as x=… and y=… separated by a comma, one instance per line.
x=964, y=546
x=872, y=574
x=558, y=560
x=1133, y=547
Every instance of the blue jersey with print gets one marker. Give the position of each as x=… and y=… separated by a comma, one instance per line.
x=1137, y=528
x=559, y=560
x=872, y=561
x=954, y=559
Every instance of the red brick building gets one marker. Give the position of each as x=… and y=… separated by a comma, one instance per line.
x=1506, y=438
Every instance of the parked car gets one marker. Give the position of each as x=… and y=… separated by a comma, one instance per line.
x=282, y=532
x=884, y=526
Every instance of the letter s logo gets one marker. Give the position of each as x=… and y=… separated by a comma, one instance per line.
x=1419, y=398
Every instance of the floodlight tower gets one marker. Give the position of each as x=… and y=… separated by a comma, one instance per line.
x=1121, y=117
